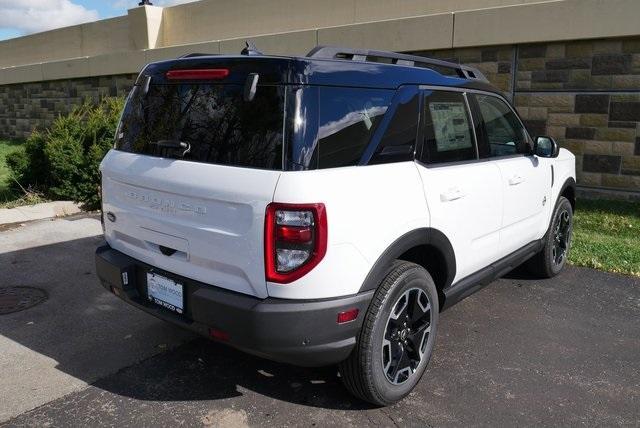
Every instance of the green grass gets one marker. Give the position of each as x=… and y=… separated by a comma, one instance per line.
x=6, y=147
x=607, y=236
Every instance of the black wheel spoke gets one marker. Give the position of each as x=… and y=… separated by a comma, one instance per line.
x=403, y=363
x=392, y=329
x=405, y=360
x=416, y=311
x=395, y=364
x=402, y=315
x=416, y=336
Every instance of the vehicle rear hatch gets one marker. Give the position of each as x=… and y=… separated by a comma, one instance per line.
x=197, y=159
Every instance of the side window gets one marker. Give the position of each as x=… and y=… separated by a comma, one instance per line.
x=503, y=133
x=349, y=118
x=448, y=134
x=399, y=140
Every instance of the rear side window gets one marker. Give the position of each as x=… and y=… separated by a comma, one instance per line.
x=448, y=134
x=205, y=123
x=348, y=119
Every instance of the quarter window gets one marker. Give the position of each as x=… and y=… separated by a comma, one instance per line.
x=448, y=135
x=399, y=140
x=349, y=118
x=503, y=132
x=329, y=127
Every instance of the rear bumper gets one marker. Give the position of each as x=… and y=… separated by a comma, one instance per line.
x=300, y=332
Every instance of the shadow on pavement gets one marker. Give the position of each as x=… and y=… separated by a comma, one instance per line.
x=204, y=370
x=91, y=334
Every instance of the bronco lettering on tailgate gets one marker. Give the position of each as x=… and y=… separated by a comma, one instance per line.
x=166, y=204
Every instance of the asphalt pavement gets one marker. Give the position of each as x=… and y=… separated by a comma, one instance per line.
x=520, y=352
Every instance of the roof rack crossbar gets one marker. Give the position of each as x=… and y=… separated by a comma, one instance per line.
x=363, y=55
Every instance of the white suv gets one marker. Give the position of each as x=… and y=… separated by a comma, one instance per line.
x=325, y=209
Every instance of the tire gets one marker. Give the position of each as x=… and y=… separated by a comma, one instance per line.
x=549, y=262
x=368, y=372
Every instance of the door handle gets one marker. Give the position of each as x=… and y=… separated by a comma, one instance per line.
x=515, y=180
x=452, y=195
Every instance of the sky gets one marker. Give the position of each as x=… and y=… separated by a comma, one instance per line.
x=22, y=17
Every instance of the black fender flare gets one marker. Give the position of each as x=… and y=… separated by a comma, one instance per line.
x=568, y=183
x=422, y=236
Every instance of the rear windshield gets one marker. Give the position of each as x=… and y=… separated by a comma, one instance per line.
x=306, y=127
x=205, y=123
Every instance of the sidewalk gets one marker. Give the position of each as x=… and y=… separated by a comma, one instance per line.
x=38, y=212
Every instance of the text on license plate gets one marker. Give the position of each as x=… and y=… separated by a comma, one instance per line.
x=165, y=292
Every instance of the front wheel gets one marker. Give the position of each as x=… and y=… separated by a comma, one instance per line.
x=397, y=337
x=557, y=242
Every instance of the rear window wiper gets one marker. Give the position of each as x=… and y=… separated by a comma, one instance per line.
x=173, y=144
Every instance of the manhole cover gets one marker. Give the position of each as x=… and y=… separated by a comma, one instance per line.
x=15, y=299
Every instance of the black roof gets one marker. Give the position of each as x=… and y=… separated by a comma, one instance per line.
x=333, y=67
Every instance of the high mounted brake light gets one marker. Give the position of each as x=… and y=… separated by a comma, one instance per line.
x=201, y=74
x=295, y=240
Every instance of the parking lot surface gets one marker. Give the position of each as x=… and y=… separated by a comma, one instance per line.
x=520, y=352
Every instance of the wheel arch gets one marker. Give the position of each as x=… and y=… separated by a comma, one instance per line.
x=568, y=190
x=427, y=247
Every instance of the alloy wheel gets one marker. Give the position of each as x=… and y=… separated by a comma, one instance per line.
x=561, y=238
x=406, y=335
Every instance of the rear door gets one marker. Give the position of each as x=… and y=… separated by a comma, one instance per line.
x=194, y=167
x=463, y=193
x=525, y=181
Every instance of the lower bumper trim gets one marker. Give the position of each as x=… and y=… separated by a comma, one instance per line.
x=299, y=332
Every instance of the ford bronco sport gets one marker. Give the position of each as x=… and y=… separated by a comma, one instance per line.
x=325, y=209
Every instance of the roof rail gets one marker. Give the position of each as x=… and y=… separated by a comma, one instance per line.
x=365, y=55
x=195, y=54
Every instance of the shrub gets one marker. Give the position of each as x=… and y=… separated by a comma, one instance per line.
x=29, y=166
x=63, y=161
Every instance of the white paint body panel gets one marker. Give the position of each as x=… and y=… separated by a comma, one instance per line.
x=213, y=215
x=526, y=190
x=368, y=208
x=465, y=202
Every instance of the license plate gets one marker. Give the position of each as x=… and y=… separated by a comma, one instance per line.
x=165, y=292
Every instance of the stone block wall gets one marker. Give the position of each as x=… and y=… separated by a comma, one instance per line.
x=495, y=62
x=27, y=106
x=585, y=94
x=601, y=129
x=602, y=65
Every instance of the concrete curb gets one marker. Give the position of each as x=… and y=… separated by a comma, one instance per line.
x=38, y=212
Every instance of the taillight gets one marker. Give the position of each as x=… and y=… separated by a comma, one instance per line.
x=295, y=240
x=198, y=74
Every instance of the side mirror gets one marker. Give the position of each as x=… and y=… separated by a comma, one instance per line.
x=546, y=147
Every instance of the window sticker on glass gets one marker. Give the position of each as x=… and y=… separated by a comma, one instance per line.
x=450, y=126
